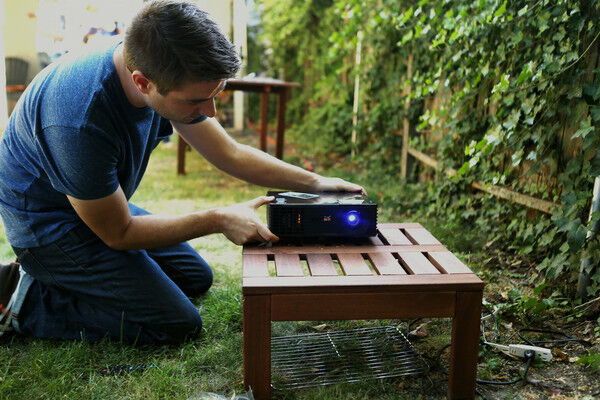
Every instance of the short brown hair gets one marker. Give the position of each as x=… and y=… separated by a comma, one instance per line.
x=174, y=41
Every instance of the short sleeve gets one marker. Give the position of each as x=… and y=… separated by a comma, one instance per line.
x=166, y=130
x=199, y=119
x=81, y=163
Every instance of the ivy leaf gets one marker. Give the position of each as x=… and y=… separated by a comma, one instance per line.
x=463, y=170
x=557, y=265
x=585, y=129
x=481, y=144
x=570, y=226
x=595, y=111
x=574, y=92
x=512, y=120
x=501, y=86
x=524, y=75
x=542, y=22
x=592, y=91
x=576, y=238
x=523, y=10
x=595, y=166
x=559, y=36
x=501, y=10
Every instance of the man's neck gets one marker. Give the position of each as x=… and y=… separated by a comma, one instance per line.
x=131, y=92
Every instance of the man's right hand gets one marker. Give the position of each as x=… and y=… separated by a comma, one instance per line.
x=240, y=223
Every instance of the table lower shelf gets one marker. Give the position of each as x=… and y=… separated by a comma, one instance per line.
x=327, y=358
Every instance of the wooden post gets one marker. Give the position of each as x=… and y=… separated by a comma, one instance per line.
x=407, y=91
x=264, y=101
x=281, y=106
x=181, y=147
x=465, y=345
x=257, y=345
x=240, y=39
x=356, y=90
x=585, y=273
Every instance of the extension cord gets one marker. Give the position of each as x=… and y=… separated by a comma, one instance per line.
x=521, y=350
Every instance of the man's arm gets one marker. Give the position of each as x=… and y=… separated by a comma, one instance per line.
x=111, y=220
x=244, y=162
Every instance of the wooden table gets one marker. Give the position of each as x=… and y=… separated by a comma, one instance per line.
x=412, y=275
x=263, y=86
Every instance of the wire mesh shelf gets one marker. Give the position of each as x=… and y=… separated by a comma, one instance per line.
x=327, y=358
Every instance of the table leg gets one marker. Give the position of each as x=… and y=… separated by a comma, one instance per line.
x=281, y=105
x=257, y=345
x=465, y=345
x=181, y=147
x=264, y=99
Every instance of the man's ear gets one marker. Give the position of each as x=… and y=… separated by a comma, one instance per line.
x=141, y=81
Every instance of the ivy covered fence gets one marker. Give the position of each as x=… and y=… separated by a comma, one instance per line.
x=505, y=93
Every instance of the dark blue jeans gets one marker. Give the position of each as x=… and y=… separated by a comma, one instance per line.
x=83, y=289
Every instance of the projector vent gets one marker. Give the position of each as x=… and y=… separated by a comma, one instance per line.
x=286, y=222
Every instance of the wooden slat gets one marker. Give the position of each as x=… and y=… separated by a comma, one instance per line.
x=321, y=265
x=359, y=284
x=255, y=265
x=448, y=262
x=288, y=265
x=386, y=264
x=417, y=263
x=342, y=249
x=325, y=306
x=375, y=241
x=353, y=264
x=402, y=225
x=394, y=236
x=421, y=236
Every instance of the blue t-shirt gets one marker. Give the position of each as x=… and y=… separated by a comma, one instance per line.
x=73, y=132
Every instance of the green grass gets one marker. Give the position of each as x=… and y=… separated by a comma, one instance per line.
x=50, y=369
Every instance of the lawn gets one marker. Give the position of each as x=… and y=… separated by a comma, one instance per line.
x=49, y=369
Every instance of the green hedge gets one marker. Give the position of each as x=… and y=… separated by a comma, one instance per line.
x=505, y=92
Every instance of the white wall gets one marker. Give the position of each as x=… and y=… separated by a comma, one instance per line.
x=3, y=103
x=20, y=30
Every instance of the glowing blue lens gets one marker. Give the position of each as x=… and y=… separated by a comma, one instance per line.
x=352, y=218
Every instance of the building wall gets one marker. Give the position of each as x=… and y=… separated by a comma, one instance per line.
x=220, y=10
x=20, y=30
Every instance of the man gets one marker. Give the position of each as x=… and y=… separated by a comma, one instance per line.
x=74, y=152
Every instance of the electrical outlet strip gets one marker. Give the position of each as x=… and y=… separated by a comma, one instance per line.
x=520, y=350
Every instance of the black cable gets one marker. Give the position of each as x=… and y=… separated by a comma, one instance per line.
x=491, y=314
x=538, y=342
x=530, y=355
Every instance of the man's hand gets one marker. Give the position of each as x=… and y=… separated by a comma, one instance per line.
x=240, y=223
x=326, y=184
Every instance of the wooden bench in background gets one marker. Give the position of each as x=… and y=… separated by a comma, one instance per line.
x=264, y=86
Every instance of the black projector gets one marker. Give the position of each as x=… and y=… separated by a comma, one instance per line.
x=325, y=214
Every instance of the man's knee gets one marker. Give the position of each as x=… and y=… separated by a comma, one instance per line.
x=188, y=327
x=200, y=286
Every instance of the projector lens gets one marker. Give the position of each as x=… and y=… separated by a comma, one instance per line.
x=352, y=218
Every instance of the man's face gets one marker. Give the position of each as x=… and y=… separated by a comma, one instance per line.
x=188, y=102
